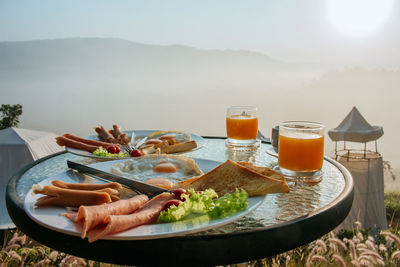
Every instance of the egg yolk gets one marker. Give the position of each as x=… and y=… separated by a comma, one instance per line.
x=167, y=167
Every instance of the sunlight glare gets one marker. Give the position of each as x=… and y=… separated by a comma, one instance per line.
x=358, y=17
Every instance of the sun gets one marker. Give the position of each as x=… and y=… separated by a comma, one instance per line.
x=359, y=18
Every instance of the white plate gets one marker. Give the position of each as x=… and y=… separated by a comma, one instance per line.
x=139, y=133
x=50, y=217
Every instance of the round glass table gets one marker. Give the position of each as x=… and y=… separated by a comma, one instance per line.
x=281, y=223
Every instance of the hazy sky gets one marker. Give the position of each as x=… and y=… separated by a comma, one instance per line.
x=365, y=32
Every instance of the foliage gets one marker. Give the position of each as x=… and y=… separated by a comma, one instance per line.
x=387, y=166
x=361, y=249
x=10, y=117
x=392, y=203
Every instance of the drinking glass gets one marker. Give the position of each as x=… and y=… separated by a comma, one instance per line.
x=242, y=128
x=301, y=151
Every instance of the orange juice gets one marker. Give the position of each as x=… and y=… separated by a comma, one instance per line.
x=242, y=127
x=303, y=153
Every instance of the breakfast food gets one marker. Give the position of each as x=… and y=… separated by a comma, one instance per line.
x=57, y=196
x=145, y=215
x=115, y=135
x=120, y=137
x=91, y=216
x=74, y=194
x=88, y=141
x=86, y=186
x=168, y=142
x=115, y=143
x=63, y=141
x=72, y=141
x=229, y=176
x=262, y=170
x=104, y=135
x=177, y=148
x=179, y=136
x=173, y=167
x=161, y=182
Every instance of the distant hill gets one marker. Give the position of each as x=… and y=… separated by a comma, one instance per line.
x=121, y=59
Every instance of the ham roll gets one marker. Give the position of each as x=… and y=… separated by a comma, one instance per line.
x=91, y=216
x=146, y=215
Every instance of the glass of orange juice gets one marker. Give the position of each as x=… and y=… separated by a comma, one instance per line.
x=242, y=128
x=301, y=151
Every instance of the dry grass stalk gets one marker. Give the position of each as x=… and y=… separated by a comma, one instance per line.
x=44, y=262
x=318, y=258
x=355, y=263
x=14, y=256
x=392, y=236
x=373, y=254
x=339, y=260
x=338, y=242
x=396, y=255
x=320, y=247
x=353, y=251
x=12, y=247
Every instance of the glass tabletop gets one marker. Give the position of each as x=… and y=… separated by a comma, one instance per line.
x=276, y=208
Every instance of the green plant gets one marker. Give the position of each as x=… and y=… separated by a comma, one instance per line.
x=10, y=117
x=360, y=248
x=392, y=204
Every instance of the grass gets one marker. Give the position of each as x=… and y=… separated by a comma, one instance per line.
x=359, y=247
x=392, y=203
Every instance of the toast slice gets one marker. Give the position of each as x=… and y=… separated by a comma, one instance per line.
x=179, y=147
x=262, y=170
x=231, y=175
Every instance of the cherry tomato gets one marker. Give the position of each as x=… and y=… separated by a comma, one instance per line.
x=172, y=202
x=111, y=149
x=117, y=149
x=178, y=193
x=135, y=153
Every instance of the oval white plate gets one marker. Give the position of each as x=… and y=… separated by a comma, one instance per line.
x=50, y=217
x=139, y=133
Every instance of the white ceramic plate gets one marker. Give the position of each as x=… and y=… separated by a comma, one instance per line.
x=139, y=133
x=50, y=217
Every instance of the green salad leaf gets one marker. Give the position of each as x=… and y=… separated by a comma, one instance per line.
x=229, y=204
x=207, y=203
x=101, y=152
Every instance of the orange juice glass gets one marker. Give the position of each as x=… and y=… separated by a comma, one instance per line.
x=242, y=128
x=301, y=151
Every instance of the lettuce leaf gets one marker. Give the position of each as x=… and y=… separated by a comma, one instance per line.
x=206, y=202
x=101, y=152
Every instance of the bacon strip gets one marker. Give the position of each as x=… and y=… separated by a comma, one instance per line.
x=64, y=141
x=105, y=145
x=146, y=215
x=86, y=186
x=95, y=215
x=56, y=196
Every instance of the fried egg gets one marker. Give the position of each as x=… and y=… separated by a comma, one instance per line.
x=173, y=167
x=180, y=137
